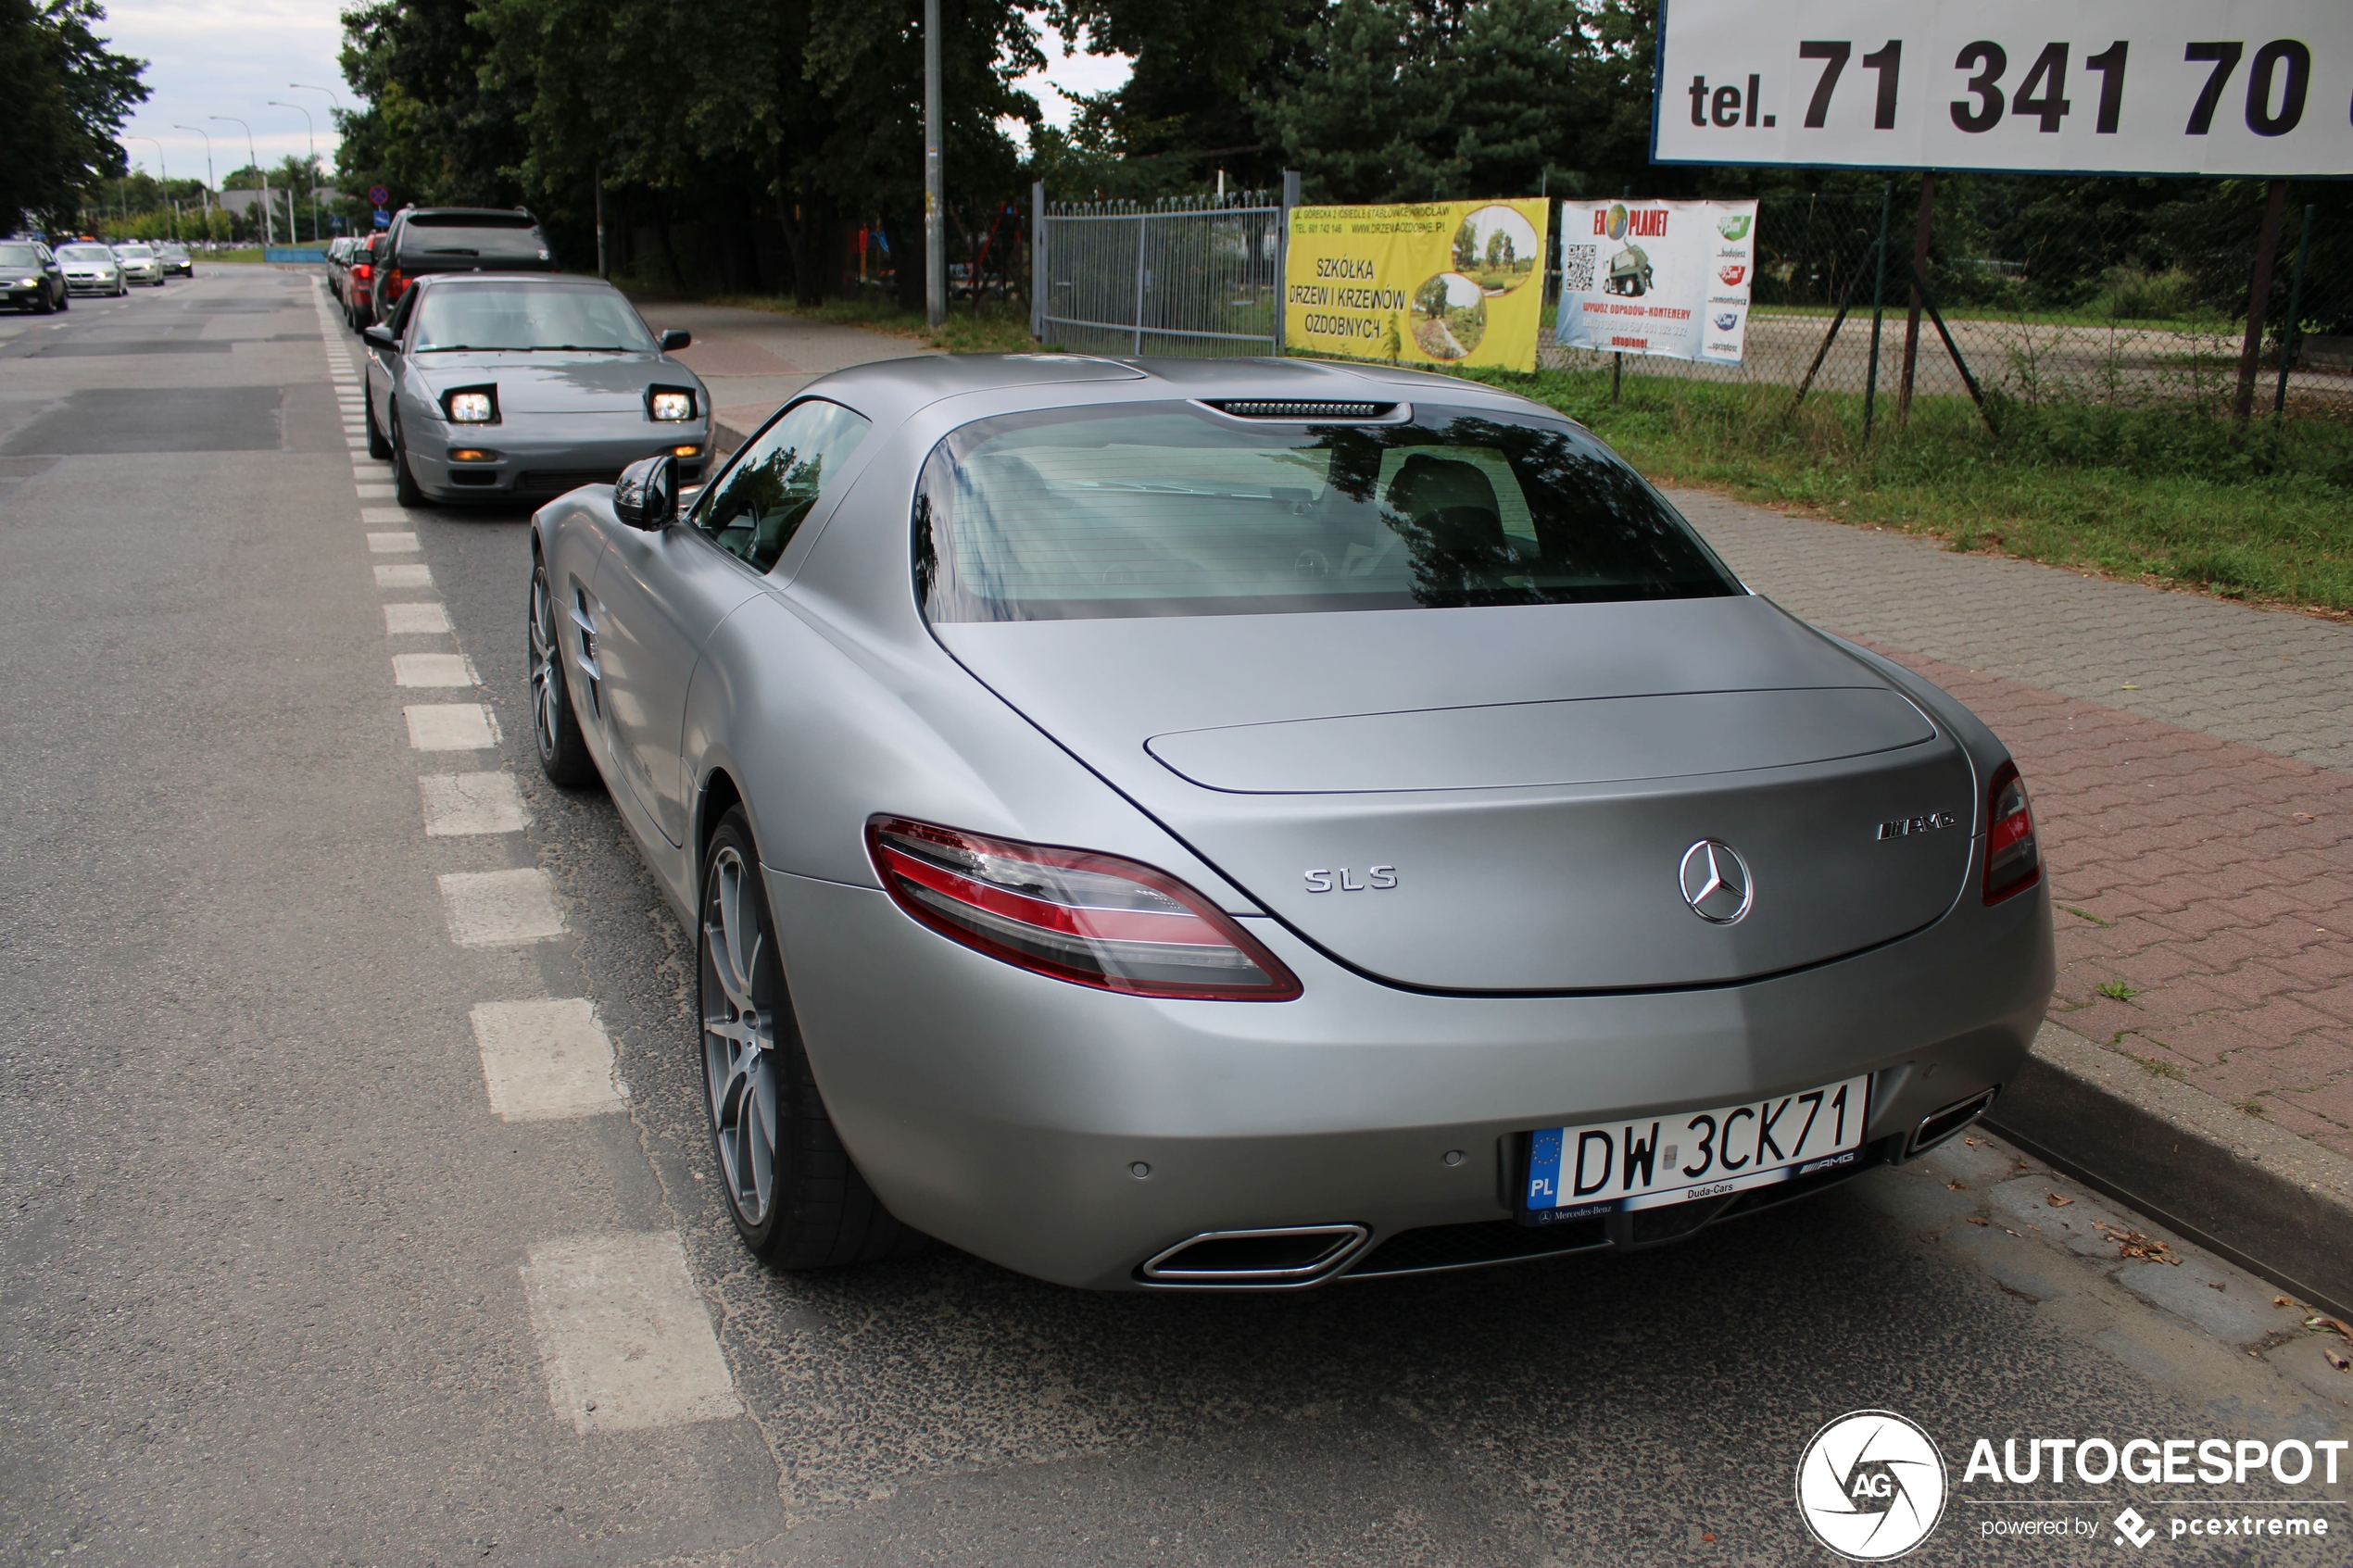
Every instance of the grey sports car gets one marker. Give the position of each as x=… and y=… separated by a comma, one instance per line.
x=1238, y=824
x=485, y=387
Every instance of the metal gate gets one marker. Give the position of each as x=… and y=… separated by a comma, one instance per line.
x=1196, y=275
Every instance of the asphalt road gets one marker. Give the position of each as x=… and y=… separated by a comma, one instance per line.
x=277, y=1285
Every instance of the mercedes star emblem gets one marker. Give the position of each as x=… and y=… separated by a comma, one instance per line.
x=1716, y=882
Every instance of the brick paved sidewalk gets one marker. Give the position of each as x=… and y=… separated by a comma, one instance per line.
x=2202, y=861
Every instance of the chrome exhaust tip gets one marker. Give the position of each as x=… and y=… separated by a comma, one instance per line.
x=1280, y=1259
x=1938, y=1125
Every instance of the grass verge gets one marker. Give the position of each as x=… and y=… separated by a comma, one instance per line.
x=2159, y=495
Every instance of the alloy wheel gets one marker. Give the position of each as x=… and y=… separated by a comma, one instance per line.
x=739, y=1035
x=547, y=676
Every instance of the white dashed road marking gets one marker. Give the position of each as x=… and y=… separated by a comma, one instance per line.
x=626, y=1337
x=415, y=574
x=542, y=1061
x=433, y=670
x=450, y=726
x=384, y=514
x=392, y=543
x=458, y=804
x=499, y=909
x=376, y=491
x=410, y=619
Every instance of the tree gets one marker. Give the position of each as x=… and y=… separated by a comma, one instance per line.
x=68, y=96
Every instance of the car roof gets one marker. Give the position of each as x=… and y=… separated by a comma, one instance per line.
x=891, y=390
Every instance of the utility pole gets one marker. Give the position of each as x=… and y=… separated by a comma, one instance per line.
x=208, y=176
x=935, y=253
x=311, y=133
x=601, y=270
x=269, y=213
x=163, y=174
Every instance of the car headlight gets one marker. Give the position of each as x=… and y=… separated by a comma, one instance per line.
x=478, y=406
x=674, y=404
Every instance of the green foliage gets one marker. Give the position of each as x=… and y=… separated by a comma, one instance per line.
x=2164, y=494
x=67, y=96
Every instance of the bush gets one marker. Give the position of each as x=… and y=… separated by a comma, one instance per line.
x=2134, y=294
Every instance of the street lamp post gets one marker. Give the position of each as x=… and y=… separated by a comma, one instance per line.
x=935, y=257
x=208, y=177
x=268, y=214
x=311, y=132
x=163, y=172
x=336, y=99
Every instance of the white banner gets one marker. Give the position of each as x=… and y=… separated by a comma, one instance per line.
x=2244, y=87
x=1669, y=278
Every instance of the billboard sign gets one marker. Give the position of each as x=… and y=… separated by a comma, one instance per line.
x=2252, y=87
x=1668, y=278
x=1438, y=283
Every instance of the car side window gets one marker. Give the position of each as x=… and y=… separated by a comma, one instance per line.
x=762, y=501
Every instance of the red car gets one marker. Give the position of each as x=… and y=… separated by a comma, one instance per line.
x=359, y=282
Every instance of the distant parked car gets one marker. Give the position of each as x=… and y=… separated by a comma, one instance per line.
x=496, y=388
x=30, y=277
x=91, y=268
x=139, y=264
x=424, y=240
x=174, y=257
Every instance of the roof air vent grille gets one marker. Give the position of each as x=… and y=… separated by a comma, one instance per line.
x=1267, y=408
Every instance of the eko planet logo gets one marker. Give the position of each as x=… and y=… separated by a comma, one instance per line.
x=1870, y=1486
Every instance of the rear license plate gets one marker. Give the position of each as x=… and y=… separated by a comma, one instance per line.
x=1577, y=1173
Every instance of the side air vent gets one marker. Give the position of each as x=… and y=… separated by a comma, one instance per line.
x=1242, y=1260
x=1261, y=408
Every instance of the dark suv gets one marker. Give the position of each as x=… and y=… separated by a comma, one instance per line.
x=455, y=239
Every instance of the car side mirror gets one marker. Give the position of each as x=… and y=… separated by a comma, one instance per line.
x=674, y=339
x=646, y=496
x=379, y=336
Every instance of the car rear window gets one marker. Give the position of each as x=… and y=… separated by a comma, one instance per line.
x=1171, y=509
x=493, y=239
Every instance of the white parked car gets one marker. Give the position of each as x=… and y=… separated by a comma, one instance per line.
x=90, y=268
x=139, y=264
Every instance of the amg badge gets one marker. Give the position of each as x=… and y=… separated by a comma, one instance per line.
x=1904, y=827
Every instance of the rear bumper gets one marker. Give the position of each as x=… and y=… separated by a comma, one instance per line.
x=1008, y=1114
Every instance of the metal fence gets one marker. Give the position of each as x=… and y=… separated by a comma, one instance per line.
x=1198, y=276
x=2141, y=339
x=1833, y=307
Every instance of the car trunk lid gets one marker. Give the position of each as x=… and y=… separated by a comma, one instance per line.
x=1501, y=799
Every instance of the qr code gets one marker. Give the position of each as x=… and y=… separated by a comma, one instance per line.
x=1577, y=268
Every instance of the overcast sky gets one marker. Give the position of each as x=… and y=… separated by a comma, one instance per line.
x=232, y=56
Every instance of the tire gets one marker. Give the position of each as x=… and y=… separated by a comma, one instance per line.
x=405, y=491
x=378, y=447
x=555, y=722
x=65, y=299
x=796, y=1199
x=44, y=306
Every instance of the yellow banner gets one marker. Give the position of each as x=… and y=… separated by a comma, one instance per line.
x=1441, y=284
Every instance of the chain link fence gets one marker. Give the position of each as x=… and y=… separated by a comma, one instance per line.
x=1195, y=276
x=1827, y=315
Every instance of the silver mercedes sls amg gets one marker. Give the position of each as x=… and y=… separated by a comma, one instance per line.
x=486, y=386
x=1238, y=824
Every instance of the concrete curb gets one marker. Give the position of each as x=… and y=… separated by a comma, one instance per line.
x=2242, y=1188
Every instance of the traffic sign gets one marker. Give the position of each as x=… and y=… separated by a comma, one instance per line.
x=379, y=196
x=383, y=218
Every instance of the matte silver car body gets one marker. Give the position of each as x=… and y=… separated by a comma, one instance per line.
x=565, y=419
x=1010, y=1113
x=92, y=268
x=139, y=264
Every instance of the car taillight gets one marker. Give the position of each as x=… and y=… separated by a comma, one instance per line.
x=2013, y=863
x=361, y=271
x=394, y=281
x=1092, y=919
